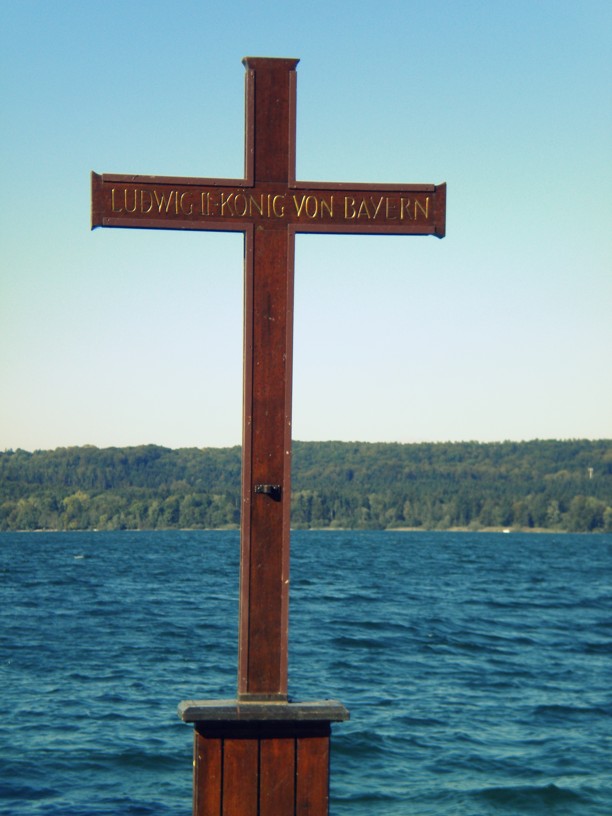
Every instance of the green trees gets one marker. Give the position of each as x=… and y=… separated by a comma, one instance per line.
x=544, y=484
x=587, y=513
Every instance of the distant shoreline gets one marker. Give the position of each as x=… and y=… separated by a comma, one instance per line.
x=528, y=487
x=489, y=530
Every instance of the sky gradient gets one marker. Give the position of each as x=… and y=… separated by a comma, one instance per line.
x=502, y=330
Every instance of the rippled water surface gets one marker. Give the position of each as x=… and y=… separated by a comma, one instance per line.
x=477, y=668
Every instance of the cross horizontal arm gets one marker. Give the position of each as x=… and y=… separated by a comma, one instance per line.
x=232, y=204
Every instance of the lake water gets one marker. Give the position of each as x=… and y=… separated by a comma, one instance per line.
x=477, y=668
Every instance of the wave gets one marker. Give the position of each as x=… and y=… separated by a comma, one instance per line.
x=531, y=798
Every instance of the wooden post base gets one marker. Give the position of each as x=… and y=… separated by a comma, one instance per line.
x=261, y=759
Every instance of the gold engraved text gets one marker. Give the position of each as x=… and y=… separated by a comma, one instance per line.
x=243, y=204
x=312, y=207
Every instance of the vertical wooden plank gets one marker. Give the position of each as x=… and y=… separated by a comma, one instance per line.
x=268, y=337
x=312, y=788
x=240, y=772
x=207, y=775
x=277, y=777
x=264, y=584
x=274, y=102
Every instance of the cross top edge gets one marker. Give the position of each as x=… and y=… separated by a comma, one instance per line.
x=252, y=63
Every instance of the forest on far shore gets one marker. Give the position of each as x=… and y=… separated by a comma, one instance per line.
x=540, y=485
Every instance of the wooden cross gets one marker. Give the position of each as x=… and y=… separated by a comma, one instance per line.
x=269, y=206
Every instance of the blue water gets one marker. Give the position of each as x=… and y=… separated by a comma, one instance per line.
x=477, y=668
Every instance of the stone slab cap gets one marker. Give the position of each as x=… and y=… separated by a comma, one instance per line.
x=192, y=711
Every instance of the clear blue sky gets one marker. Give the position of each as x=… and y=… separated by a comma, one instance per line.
x=503, y=330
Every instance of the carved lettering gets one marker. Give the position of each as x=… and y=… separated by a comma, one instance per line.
x=162, y=202
x=255, y=206
x=298, y=206
x=369, y=208
x=377, y=206
x=349, y=207
x=327, y=206
x=242, y=204
x=185, y=209
x=278, y=206
x=226, y=204
x=309, y=204
x=146, y=208
x=423, y=208
x=114, y=207
x=363, y=210
x=132, y=206
x=312, y=206
x=404, y=211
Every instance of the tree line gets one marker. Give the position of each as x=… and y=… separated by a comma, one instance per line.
x=542, y=484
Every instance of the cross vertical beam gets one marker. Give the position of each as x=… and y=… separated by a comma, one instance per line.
x=268, y=352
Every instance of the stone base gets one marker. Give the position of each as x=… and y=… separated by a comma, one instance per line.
x=261, y=759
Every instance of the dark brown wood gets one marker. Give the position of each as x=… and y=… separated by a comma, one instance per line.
x=240, y=777
x=312, y=777
x=268, y=768
x=266, y=459
x=277, y=775
x=156, y=202
x=269, y=206
x=208, y=775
